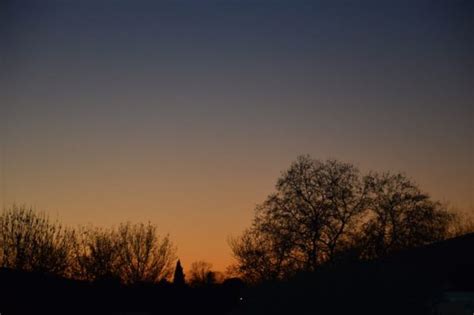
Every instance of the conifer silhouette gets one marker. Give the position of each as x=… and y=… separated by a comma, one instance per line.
x=178, y=278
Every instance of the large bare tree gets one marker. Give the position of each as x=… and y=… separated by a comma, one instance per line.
x=307, y=221
x=324, y=210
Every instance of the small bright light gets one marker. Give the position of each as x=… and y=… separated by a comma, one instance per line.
x=241, y=299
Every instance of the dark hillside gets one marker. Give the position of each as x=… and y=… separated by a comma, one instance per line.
x=408, y=282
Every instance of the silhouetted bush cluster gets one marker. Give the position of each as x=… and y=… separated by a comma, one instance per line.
x=131, y=253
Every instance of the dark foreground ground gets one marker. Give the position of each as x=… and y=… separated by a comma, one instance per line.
x=436, y=279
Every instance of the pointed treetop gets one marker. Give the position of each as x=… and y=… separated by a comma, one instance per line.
x=178, y=278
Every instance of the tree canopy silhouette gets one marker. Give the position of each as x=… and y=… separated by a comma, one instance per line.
x=322, y=210
x=400, y=216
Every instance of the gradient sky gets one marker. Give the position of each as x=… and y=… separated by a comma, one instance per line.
x=184, y=113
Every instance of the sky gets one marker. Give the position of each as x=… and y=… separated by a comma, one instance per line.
x=184, y=113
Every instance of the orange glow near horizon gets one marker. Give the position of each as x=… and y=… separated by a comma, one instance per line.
x=185, y=113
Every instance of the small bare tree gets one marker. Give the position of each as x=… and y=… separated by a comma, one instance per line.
x=144, y=256
x=30, y=241
x=97, y=254
x=201, y=274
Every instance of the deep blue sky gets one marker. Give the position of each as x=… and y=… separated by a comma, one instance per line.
x=185, y=112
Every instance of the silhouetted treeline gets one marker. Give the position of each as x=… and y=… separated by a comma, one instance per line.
x=100, y=270
x=328, y=241
x=413, y=281
x=131, y=253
